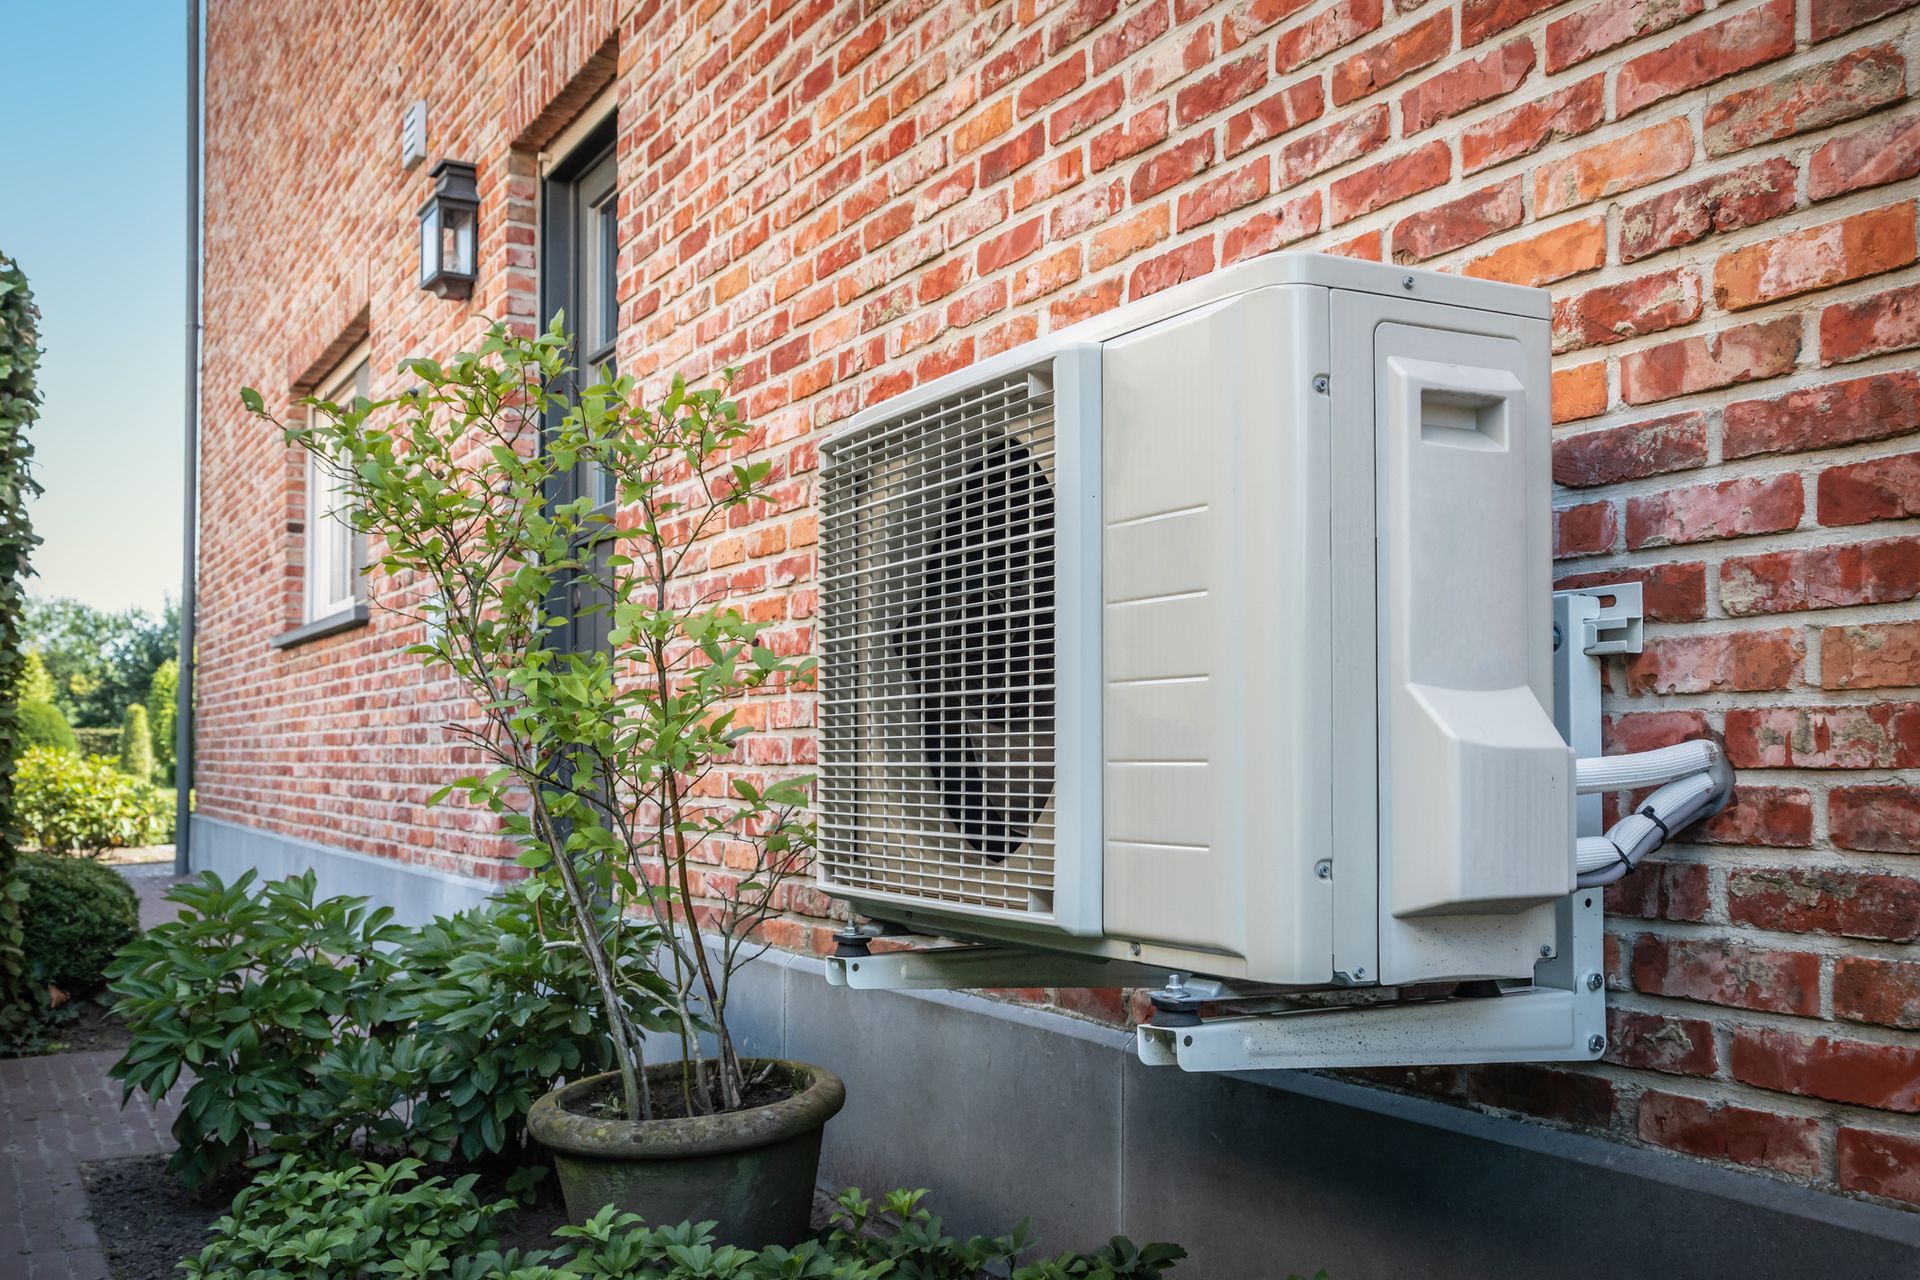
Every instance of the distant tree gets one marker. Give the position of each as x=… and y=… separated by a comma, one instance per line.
x=136, y=744
x=33, y=684
x=162, y=706
x=101, y=663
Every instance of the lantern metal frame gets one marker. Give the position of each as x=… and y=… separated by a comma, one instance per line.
x=455, y=205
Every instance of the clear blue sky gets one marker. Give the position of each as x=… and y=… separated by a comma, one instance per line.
x=93, y=207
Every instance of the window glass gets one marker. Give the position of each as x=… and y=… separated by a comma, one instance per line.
x=333, y=561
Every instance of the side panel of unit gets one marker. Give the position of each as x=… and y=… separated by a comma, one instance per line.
x=1473, y=797
x=1216, y=576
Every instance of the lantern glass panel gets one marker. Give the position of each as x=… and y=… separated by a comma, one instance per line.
x=429, y=243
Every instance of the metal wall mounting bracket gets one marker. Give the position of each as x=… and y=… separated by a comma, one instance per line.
x=1559, y=1017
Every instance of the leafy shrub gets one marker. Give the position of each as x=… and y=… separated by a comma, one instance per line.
x=385, y=1220
x=69, y=803
x=98, y=742
x=136, y=744
x=32, y=683
x=317, y=1026
x=40, y=724
x=162, y=708
x=77, y=914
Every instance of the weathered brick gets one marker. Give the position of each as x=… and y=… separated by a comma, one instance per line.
x=1579, y=391
x=1144, y=128
x=1655, y=1042
x=1816, y=258
x=1867, y=1075
x=1143, y=25
x=1549, y=256
x=1334, y=145
x=1879, y=489
x=1586, y=530
x=1522, y=130
x=1726, y=509
x=1811, y=98
x=1567, y=1096
x=1837, y=17
x=1061, y=78
x=1085, y=111
x=1599, y=27
x=1770, y=817
x=1748, y=39
x=1118, y=240
x=1748, y=661
x=1480, y=19
x=1870, y=326
x=1710, y=361
x=1613, y=454
x=1463, y=87
x=1170, y=268
x=1225, y=193
x=1849, y=903
x=1326, y=31
x=1218, y=90
x=1882, y=992
x=1171, y=167
x=1881, y=153
x=999, y=162
x=1724, y=1131
x=1660, y=890
x=1876, y=655
x=1650, y=730
x=1821, y=577
x=1881, y=735
x=1883, y=818
x=1879, y=1164
x=1724, y=203
x=1608, y=168
x=1669, y=592
x=1872, y=408
x=1406, y=174
x=1272, y=116
x=1053, y=272
x=1264, y=232
x=1723, y=971
x=1245, y=21
x=1632, y=309
x=1375, y=68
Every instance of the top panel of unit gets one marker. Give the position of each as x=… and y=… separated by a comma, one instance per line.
x=1317, y=270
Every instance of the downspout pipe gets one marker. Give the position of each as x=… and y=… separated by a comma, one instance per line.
x=190, y=519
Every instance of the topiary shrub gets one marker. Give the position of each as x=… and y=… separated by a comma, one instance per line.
x=40, y=724
x=76, y=915
x=136, y=744
x=98, y=742
x=68, y=803
x=162, y=708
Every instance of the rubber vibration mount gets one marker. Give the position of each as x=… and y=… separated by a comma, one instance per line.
x=851, y=944
x=1170, y=1012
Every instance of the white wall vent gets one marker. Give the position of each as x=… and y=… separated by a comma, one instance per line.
x=1214, y=632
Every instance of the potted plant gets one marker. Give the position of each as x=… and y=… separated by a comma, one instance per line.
x=547, y=534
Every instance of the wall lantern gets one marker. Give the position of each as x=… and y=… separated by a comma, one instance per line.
x=449, y=223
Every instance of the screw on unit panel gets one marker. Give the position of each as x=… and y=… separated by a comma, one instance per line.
x=1321, y=384
x=1406, y=282
x=1596, y=1042
x=1134, y=947
x=1595, y=982
x=1323, y=869
x=1546, y=952
x=1359, y=974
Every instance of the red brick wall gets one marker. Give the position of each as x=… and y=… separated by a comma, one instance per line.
x=845, y=199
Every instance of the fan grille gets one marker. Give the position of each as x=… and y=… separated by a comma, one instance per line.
x=937, y=767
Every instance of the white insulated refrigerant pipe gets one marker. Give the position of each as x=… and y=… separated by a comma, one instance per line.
x=1695, y=781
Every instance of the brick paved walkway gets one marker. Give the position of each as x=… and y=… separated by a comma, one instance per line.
x=55, y=1112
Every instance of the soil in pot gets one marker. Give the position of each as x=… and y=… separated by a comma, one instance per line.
x=751, y=1172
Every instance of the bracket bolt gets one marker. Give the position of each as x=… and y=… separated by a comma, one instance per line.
x=1595, y=982
x=1406, y=282
x=1323, y=869
x=1321, y=384
x=1359, y=973
x=1134, y=947
x=1546, y=951
x=1596, y=1042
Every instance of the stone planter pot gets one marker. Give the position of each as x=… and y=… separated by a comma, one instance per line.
x=750, y=1171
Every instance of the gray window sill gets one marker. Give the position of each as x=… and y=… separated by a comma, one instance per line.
x=331, y=625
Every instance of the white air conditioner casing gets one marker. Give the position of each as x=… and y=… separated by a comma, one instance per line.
x=1213, y=632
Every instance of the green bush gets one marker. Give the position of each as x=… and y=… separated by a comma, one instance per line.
x=136, y=744
x=32, y=683
x=162, y=708
x=98, y=742
x=317, y=1026
x=40, y=724
x=385, y=1220
x=69, y=803
x=76, y=915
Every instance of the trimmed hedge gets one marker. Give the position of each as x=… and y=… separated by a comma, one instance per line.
x=97, y=742
x=40, y=724
x=76, y=915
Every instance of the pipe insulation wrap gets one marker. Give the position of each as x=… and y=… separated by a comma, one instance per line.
x=1695, y=793
x=1644, y=768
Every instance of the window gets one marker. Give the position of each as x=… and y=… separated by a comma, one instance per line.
x=579, y=249
x=333, y=549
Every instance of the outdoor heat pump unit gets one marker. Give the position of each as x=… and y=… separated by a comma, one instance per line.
x=1214, y=638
